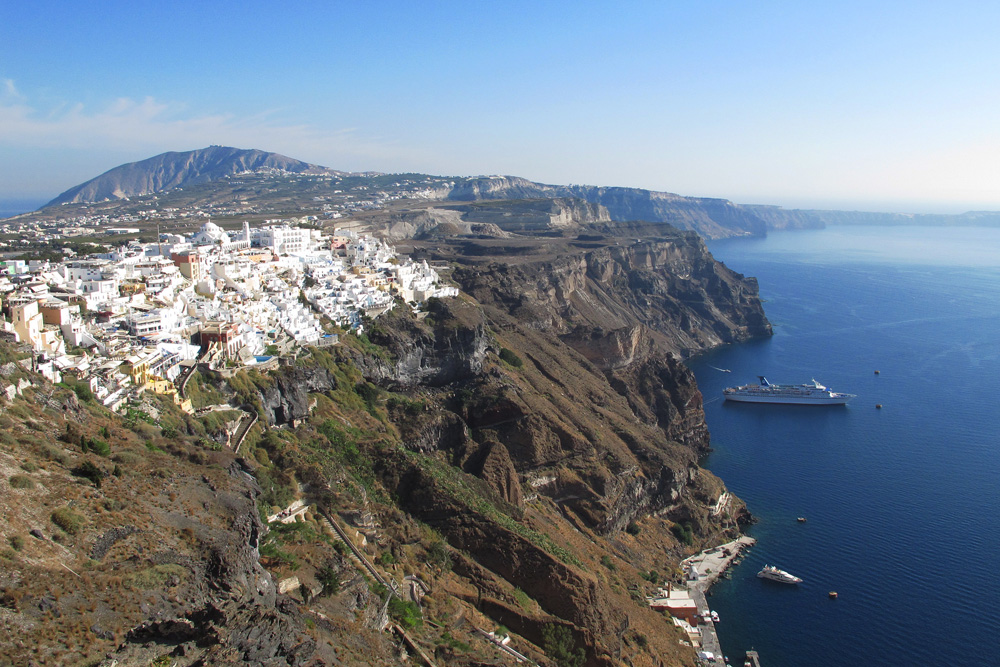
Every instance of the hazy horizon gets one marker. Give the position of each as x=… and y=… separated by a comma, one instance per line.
x=10, y=206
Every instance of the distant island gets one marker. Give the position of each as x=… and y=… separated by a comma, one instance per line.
x=310, y=186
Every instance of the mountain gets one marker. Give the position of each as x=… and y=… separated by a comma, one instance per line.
x=173, y=170
x=711, y=218
x=272, y=185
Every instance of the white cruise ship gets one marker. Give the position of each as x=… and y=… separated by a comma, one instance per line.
x=799, y=394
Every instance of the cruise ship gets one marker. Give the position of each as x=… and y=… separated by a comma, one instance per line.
x=800, y=394
x=774, y=574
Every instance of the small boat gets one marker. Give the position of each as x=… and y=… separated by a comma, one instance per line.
x=832, y=595
x=801, y=519
x=774, y=574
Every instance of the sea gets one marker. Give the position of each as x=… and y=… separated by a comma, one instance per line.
x=902, y=502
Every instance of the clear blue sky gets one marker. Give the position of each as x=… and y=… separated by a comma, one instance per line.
x=874, y=105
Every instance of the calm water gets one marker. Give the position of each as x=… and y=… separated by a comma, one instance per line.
x=903, y=503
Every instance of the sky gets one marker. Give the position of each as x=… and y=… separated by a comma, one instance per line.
x=887, y=106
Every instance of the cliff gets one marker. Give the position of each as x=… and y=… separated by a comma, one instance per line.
x=712, y=218
x=670, y=283
x=540, y=417
x=492, y=219
x=529, y=452
x=152, y=549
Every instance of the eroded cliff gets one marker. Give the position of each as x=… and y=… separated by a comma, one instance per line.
x=528, y=452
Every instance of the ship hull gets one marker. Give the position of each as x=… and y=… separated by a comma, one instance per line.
x=789, y=400
x=778, y=576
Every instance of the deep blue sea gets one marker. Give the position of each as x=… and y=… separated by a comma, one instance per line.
x=903, y=503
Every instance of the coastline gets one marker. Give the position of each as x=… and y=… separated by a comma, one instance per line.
x=700, y=572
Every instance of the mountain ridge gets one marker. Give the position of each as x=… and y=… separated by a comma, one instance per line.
x=178, y=169
x=712, y=218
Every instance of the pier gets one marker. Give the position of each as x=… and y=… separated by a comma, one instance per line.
x=701, y=571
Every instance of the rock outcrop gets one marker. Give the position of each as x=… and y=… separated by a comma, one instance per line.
x=234, y=616
x=285, y=396
x=712, y=218
x=672, y=285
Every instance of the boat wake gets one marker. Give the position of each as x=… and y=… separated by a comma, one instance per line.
x=721, y=370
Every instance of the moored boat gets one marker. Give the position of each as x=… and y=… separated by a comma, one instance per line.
x=797, y=394
x=774, y=574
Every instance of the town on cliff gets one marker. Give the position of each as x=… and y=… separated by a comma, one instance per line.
x=137, y=317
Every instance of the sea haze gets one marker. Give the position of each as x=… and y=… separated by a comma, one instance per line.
x=901, y=502
x=10, y=207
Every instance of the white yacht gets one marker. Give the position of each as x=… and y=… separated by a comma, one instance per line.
x=774, y=574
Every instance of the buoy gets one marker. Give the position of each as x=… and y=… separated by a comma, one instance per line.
x=878, y=406
x=833, y=595
x=876, y=372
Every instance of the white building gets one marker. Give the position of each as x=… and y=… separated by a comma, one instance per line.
x=283, y=240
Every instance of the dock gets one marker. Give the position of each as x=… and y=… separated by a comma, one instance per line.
x=701, y=571
x=704, y=569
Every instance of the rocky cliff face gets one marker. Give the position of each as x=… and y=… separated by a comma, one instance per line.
x=712, y=218
x=588, y=425
x=285, y=398
x=235, y=616
x=492, y=219
x=671, y=284
x=157, y=555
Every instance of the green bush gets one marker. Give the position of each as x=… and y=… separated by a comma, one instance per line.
x=437, y=553
x=508, y=356
x=369, y=393
x=406, y=613
x=523, y=599
x=557, y=640
x=99, y=447
x=157, y=576
x=89, y=470
x=406, y=405
x=81, y=389
x=330, y=579
x=21, y=482
x=683, y=533
x=68, y=520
